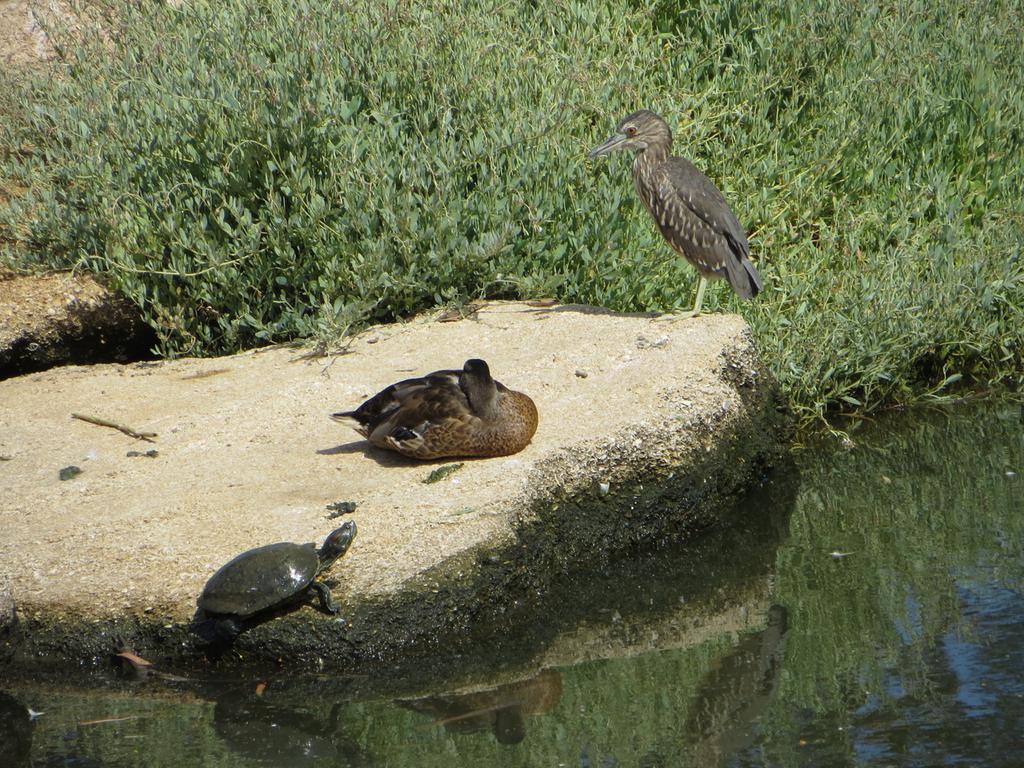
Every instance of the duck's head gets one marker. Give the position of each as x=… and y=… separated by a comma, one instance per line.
x=477, y=369
x=478, y=385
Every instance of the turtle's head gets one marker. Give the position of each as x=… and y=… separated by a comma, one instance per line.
x=337, y=543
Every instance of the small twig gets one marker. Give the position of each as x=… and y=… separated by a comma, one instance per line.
x=110, y=720
x=147, y=436
x=467, y=715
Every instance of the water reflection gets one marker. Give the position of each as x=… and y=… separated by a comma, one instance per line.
x=752, y=646
x=971, y=692
x=272, y=733
x=737, y=690
x=15, y=732
x=502, y=710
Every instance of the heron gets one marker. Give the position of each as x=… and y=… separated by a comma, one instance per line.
x=689, y=210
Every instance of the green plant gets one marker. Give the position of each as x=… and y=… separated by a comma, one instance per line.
x=253, y=172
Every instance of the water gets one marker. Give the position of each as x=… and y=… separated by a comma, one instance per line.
x=863, y=609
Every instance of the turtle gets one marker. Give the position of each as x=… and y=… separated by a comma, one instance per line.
x=270, y=577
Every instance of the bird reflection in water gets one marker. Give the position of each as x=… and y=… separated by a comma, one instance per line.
x=732, y=696
x=739, y=687
x=501, y=710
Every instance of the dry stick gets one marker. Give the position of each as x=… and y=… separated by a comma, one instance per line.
x=147, y=436
x=103, y=720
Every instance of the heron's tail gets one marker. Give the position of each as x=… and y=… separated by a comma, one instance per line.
x=755, y=278
x=744, y=278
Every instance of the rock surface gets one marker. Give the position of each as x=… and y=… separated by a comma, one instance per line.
x=48, y=320
x=247, y=456
x=27, y=26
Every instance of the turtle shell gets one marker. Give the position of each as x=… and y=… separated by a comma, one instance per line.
x=260, y=578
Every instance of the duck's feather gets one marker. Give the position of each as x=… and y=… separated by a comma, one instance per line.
x=432, y=416
x=412, y=400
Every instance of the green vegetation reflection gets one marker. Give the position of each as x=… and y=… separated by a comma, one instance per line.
x=883, y=538
x=868, y=623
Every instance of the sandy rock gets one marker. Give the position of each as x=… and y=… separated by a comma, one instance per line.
x=28, y=28
x=247, y=456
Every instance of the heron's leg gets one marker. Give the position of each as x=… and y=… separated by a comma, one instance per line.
x=696, y=306
x=700, y=296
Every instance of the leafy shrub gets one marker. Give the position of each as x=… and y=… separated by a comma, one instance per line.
x=255, y=171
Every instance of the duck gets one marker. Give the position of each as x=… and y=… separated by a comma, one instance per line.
x=450, y=413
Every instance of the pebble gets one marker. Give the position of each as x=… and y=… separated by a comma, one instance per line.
x=69, y=472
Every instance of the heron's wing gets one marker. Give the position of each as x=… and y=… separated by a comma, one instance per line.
x=700, y=205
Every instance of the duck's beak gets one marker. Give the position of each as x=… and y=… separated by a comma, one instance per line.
x=613, y=144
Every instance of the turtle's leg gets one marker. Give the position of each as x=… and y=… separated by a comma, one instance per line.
x=226, y=629
x=324, y=593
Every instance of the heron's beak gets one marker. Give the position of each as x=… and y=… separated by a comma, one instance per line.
x=614, y=143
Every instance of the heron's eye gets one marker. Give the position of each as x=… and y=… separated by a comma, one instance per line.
x=631, y=130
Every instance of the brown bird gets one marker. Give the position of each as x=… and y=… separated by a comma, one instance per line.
x=688, y=208
x=447, y=413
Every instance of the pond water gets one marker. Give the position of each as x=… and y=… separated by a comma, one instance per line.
x=863, y=608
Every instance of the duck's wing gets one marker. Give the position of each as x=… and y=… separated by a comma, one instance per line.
x=409, y=403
